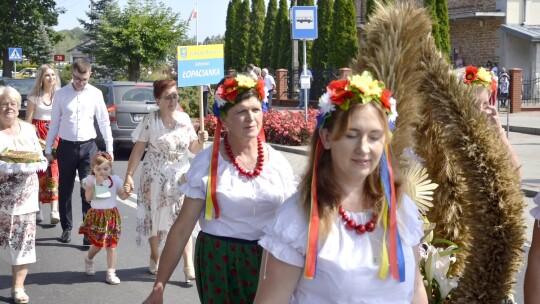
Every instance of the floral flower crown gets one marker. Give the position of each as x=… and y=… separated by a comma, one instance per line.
x=481, y=76
x=234, y=86
x=105, y=155
x=359, y=89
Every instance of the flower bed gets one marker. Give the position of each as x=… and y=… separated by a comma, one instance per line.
x=281, y=127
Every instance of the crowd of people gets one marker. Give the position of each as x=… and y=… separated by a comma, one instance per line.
x=277, y=240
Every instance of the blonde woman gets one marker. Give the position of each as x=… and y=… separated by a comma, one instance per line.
x=38, y=113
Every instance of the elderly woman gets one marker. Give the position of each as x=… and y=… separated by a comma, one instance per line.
x=38, y=113
x=20, y=159
x=233, y=189
x=168, y=135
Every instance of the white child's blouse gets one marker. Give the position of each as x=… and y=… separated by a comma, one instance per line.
x=348, y=264
x=105, y=203
x=246, y=206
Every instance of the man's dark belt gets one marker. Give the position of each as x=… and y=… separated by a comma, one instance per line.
x=76, y=142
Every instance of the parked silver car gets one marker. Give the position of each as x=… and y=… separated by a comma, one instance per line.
x=23, y=86
x=127, y=103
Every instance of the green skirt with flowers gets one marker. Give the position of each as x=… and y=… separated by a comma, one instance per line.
x=227, y=269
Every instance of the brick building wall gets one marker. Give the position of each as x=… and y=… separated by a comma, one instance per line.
x=468, y=6
x=475, y=40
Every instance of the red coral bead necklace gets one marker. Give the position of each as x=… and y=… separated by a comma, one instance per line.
x=351, y=224
x=260, y=159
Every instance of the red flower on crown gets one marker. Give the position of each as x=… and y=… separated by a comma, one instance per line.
x=471, y=74
x=228, y=90
x=338, y=91
x=385, y=99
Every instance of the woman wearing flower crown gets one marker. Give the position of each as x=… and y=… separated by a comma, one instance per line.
x=233, y=188
x=484, y=85
x=349, y=235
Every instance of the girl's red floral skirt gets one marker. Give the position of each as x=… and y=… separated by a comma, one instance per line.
x=102, y=226
x=48, y=181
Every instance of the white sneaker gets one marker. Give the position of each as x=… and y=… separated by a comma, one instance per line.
x=89, y=266
x=55, y=217
x=112, y=278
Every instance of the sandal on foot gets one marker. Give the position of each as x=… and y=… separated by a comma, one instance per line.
x=153, y=268
x=19, y=296
x=189, y=274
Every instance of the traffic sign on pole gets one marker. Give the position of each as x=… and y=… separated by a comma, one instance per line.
x=15, y=54
x=59, y=58
x=304, y=23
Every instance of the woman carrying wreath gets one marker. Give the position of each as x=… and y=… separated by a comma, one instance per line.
x=233, y=189
x=20, y=158
x=349, y=235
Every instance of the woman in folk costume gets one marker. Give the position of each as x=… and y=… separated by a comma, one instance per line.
x=478, y=204
x=233, y=188
x=349, y=230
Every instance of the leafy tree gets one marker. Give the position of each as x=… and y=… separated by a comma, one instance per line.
x=322, y=45
x=241, y=36
x=256, y=31
x=214, y=39
x=268, y=34
x=144, y=33
x=28, y=25
x=230, y=24
x=282, y=47
x=431, y=6
x=444, y=27
x=71, y=38
x=344, y=38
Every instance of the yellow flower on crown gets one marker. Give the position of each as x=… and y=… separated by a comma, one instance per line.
x=245, y=82
x=366, y=84
x=484, y=75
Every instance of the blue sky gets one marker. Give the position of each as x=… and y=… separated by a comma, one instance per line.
x=212, y=14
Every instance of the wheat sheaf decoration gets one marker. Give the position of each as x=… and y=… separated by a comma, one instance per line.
x=478, y=203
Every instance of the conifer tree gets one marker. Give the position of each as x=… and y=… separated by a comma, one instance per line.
x=321, y=45
x=344, y=38
x=229, y=35
x=256, y=32
x=268, y=34
x=431, y=6
x=242, y=35
x=282, y=38
x=444, y=27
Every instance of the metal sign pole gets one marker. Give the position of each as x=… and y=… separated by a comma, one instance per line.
x=306, y=97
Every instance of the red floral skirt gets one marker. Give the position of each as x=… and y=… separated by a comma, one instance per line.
x=102, y=226
x=48, y=181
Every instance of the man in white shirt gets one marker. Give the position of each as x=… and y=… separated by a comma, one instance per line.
x=270, y=86
x=72, y=119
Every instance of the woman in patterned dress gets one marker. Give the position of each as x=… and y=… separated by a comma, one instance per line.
x=38, y=113
x=18, y=191
x=167, y=134
x=233, y=189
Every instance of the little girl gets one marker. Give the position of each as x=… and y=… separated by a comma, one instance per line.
x=102, y=222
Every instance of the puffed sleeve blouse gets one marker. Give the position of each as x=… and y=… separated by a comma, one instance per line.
x=246, y=205
x=348, y=264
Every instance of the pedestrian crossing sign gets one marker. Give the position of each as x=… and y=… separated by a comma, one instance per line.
x=15, y=54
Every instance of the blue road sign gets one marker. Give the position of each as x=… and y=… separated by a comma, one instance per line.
x=304, y=23
x=15, y=54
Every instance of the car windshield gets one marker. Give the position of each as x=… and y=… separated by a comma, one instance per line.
x=23, y=86
x=134, y=94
